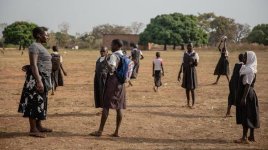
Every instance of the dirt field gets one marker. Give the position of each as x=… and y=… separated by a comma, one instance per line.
x=151, y=120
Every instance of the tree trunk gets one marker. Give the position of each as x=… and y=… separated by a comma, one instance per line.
x=174, y=46
x=20, y=47
x=182, y=46
x=165, y=47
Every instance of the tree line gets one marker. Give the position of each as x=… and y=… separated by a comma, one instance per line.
x=167, y=29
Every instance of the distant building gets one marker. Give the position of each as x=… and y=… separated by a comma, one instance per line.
x=126, y=38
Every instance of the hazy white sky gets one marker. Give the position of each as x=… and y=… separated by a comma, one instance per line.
x=82, y=15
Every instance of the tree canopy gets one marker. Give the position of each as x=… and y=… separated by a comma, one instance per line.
x=19, y=33
x=259, y=34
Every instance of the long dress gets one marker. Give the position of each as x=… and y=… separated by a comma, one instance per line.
x=56, y=75
x=222, y=67
x=99, y=82
x=247, y=115
x=189, y=80
x=135, y=55
x=233, y=85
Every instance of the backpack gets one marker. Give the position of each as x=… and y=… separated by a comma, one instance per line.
x=122, y=71
x=55, y=62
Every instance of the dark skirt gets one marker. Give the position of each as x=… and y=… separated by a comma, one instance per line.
x=99, y=85
x=157, y=78
x=233, y=85
x=189, y=80
x=57, y=78
x=222, y=67
x=114, y=93
x=32, y=103
x=248, y=115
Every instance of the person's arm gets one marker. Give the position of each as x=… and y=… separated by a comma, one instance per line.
x=61, y=66
x=33, y=63
x=219, y=47
x=162, y=66
x=196, y=59
x=142, y=57
x=153, y=70
x=244, y=98
x=179, y=75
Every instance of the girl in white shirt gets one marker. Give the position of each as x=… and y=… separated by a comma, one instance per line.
x=158, y=70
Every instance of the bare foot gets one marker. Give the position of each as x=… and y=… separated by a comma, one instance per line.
x=242, y=141
x=44, y=129
x=37, y=134
x=96, y=133
x=215, y=83
x=251, y=139
x=115, y=135
x=228, y=115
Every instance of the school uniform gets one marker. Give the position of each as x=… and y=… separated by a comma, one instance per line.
x=189, y=80
x=56, y=75
x=114, y=92
x=157, y=71
x=135, y=57
x=222, y=67
x=248, y=114
x=233, y=84
x=101, y=71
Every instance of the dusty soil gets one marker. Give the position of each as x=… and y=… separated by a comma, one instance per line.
x=151, y=120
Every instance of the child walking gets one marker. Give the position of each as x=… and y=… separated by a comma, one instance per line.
x=158, y=71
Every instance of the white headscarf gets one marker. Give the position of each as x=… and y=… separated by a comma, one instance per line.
x=251, y=64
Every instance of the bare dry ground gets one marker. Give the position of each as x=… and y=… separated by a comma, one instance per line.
x=151, y=120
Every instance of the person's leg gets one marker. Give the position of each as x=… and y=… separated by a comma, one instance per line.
x=251, y=135
x=119, y=117
x=244, y=139
x=228, y=113
x=188, y=97
x=217, y=79
x=104, y=116
x=227, y=78
x=41, y=128
x=33, y=129
x=193, y=98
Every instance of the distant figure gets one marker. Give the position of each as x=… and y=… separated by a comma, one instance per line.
x=33, y=102
x=222, y=67
x=136, y=55
x=247, y=107
x=56, y=75
x=101, y=72
x=233, y=85
x=158, y=71
x=130, y=70
x=189, y=81
x=114, y=92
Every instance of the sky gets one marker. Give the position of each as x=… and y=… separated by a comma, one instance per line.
x=83, y=15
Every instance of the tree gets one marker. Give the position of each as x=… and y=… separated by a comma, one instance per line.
x=99, y=30
x=63, y=37
x=242, y=31
x=204, y=21
x=136, y=27
x=173, y=29
x=259, y=34
x=19, y=33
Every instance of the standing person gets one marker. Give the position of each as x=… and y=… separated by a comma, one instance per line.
x=131, y=66
x=222, y=67
x=189, y=80
x=33, y=102
x=233, y=85
x=247, y=107
x=114, y=92
x=158, y=70
x=57, y=67
x=101, y=72
x=136, y=55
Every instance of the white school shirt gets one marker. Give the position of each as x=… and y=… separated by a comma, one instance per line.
x=157, y=63
x=102, y=58
x=114, y=58
x=195, y=57
x=57, y=53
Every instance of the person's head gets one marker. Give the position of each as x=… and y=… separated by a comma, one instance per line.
x=133, y=45
x=190, y=47
x=55, y=48
x=157, y=54
x=116, y=45
x=241, y=57
x=40, y=34
x=103, y=51
x=250, y=58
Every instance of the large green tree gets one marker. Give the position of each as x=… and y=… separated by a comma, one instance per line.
x=173, y=29
x=19, y=33
x=259, y=34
